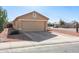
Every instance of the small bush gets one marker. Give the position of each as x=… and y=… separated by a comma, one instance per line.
x=1, y=29
x=14, y=32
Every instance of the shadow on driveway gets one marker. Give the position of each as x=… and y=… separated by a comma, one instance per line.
x=17, y=37
x=40, y=36
x=31, y=36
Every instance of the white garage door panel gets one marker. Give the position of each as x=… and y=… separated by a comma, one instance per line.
x=33, y=26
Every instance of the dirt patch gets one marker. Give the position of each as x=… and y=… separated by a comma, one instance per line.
x=19, y=37
x=11, y=38
x=65, y=32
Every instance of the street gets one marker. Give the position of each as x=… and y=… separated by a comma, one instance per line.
x=53, y=48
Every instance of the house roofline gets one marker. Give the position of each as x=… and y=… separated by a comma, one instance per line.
x=28, y=13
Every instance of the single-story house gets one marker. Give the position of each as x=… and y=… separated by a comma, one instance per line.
x=32, y=21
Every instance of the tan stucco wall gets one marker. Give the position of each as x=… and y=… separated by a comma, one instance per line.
x=16, y=24
x=31, y=25
x=30, y=16
x=28, y=23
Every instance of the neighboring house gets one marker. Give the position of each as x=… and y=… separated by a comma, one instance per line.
x=32, y=21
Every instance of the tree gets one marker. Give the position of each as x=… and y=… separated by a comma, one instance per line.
x=50, y=24
x=61, y=22
x=3, y=17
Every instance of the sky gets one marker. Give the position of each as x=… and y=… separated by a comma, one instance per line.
x=54, y=13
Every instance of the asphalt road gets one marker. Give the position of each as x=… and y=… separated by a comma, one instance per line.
x=57, y=48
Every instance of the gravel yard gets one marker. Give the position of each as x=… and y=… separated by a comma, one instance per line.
x=4, y=37
x=69, y=31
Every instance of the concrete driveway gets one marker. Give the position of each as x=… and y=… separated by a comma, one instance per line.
x=40, y=36
x=48, y=37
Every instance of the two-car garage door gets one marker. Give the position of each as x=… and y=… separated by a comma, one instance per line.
x=33, y=25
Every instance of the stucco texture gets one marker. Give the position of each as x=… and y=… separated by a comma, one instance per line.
x=32, y=21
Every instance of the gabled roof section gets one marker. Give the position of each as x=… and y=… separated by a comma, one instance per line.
x=40, y=14
x=29, y=13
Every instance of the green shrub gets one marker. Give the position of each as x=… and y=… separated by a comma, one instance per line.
x=14, y=32
x=1, y=29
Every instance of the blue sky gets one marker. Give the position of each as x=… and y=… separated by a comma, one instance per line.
x=54, y=13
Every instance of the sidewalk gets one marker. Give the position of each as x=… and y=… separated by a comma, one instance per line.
x=60, y=39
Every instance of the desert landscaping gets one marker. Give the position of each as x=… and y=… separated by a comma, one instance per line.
x=33, y=29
